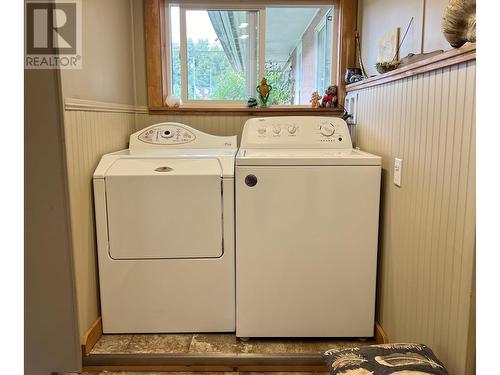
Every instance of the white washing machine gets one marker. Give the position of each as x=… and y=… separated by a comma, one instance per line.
x=165, y=231
x=307, y=212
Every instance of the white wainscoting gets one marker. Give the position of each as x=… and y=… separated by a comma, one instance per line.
x=88, y=135
x=427, y=247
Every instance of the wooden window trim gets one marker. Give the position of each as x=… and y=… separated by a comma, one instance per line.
x=157, y=53
x=155, y=39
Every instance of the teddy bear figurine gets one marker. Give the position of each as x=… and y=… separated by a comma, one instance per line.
x=330, y=98
x=315, y=98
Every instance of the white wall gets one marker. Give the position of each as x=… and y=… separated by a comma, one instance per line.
x=378, y=17
x=107, y=55
x=139, y=53
x=50, y=314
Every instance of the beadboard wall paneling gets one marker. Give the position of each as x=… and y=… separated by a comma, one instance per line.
x=427, y=233
x=89, y=135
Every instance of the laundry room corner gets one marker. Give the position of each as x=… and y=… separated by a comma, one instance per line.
x=250, y=188
x=99, y=116
x=104, y=103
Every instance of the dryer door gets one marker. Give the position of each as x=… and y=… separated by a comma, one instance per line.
x=160, y=208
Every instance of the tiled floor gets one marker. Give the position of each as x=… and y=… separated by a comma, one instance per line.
x=213, y=343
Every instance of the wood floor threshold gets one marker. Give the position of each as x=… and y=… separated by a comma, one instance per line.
x=204, y=362
x=157, y=368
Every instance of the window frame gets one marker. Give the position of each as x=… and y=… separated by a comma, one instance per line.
x=298, y=75
x=320, y=27
x=158, y=54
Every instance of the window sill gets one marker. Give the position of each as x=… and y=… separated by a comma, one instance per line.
x=269, y=111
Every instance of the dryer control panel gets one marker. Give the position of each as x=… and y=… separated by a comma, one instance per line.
x=296, y=132
x=173, y=135
x=166, y=134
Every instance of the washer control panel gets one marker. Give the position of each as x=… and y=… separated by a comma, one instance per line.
x=296, y=132
x=166, y=134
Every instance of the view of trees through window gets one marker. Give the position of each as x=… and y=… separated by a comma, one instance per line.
x=215, y=79
x=222, y=49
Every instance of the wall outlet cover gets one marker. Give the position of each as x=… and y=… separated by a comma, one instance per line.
x=398, y=165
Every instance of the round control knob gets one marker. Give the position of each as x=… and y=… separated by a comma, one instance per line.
x=167, y=134
x=251, y=180
x=276, y=129
x=261, y=130
x=327, y=130
x=292, y=129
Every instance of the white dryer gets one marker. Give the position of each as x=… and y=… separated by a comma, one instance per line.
x=307, y=213
x=165, y=231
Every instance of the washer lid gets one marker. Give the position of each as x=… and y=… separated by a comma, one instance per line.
x=306, y=157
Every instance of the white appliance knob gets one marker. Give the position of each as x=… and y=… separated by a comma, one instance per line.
x=327, y=130
x=292, y=129
x=261, y=130
x=167, y=133
x=276, y=129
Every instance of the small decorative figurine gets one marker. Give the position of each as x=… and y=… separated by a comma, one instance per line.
x=356, y=78
x=263, y=90
x=252, y=102
x=315, y=98
x=350, y=72
x=173, y=101
x=330, y=98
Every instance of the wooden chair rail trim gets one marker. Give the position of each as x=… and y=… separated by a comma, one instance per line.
x=448, y=58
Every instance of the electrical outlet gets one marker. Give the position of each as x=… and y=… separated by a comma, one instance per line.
x=398, y=166
x=350, y=104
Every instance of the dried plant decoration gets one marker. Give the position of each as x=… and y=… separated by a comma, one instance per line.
x=459, y=22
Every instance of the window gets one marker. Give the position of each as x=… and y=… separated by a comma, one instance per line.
x=215, y=56
x=215, y=53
